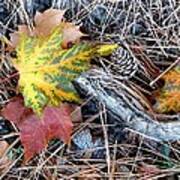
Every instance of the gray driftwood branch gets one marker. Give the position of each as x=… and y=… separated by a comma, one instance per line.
x=125, y=107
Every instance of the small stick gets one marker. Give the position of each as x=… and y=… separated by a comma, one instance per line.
x=164, y=72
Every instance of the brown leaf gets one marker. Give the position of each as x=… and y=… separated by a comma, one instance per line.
x=14, y=37
x=76, y=115
x=45, y=22
x=71, y=34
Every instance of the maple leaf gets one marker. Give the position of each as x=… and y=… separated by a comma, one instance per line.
x=47, y=71
x=15, y=110
x=45, y=23
x=71, y=33
x=168, y=97
x=14, y=37
x=35, y=133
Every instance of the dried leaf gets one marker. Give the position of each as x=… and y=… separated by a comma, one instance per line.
x=45, y=23
x=76, y=115
x=71, y=34
x=14, y=37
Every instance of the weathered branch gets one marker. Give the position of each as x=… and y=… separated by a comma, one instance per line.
x=121, y=103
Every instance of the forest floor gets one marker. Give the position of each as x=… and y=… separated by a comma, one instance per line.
x=101, y=146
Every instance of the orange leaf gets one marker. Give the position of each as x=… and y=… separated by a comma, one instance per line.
x=173, y=77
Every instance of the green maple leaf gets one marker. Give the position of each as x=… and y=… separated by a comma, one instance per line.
x=47, y=71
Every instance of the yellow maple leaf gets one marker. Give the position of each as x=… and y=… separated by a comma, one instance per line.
x=47, y=71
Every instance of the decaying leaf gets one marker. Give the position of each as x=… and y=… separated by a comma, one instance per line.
x=168, y=99
x=35, y=133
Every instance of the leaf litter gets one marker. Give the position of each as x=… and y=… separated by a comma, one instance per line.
x=128, y=145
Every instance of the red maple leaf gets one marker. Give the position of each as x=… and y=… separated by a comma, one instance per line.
x=58, y=122
x=35, y=132
x=15, y=110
